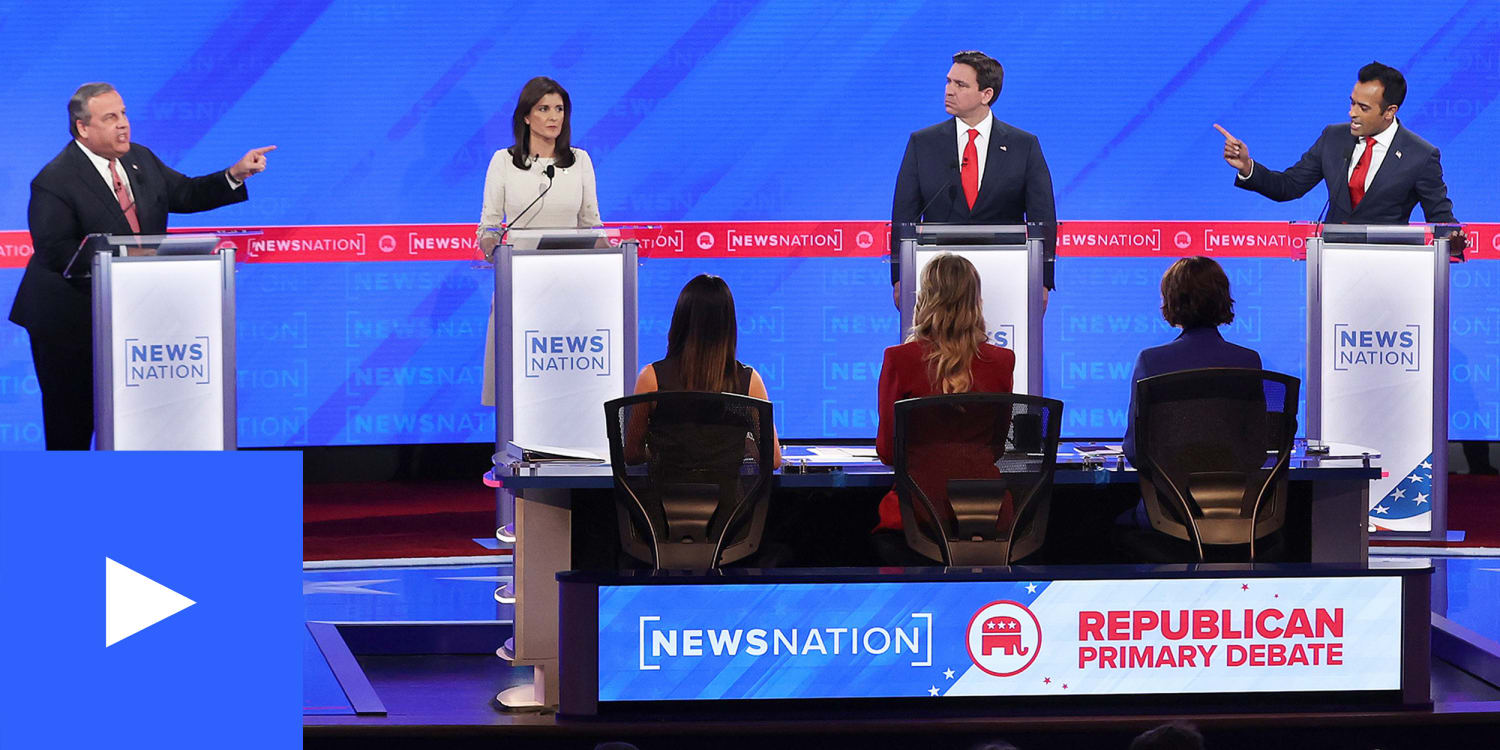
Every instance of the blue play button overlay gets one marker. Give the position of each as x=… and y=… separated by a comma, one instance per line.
x=200, y=599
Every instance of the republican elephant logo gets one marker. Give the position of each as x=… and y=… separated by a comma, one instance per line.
x=1004, y=638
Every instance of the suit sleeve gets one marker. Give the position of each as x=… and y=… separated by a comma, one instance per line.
x=1291, y=184
x=187, y=195
x=1041, y=209
x=1129, y=443
x=588, y=210
x=1433, y=192
x=54, y=226
x=906, y=207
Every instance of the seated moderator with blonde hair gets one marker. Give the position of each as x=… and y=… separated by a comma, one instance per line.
x=700, y=357
x=1194, y=297
x=947, y=351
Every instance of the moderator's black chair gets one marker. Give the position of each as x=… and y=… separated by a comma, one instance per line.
x=1213, y=448
x=974, y=474
x=692, y=476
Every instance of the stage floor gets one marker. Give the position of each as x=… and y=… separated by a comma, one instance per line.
x=456, y=692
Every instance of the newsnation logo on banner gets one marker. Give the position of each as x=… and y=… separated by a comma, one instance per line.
x=887, y=640
x=781, y=239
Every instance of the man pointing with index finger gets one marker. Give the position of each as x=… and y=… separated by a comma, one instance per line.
x=99, y=183
x=1376, y=170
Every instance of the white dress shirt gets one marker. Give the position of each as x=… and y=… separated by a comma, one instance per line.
x=981, y=144
x=1382, y=145
x=102, y=164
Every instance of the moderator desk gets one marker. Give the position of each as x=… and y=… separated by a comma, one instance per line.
x=1337, y=483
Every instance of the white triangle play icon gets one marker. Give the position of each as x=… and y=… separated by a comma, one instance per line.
x=133, y=602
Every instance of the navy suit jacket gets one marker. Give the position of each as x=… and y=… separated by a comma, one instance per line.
x=1411, y=173
x=70, y=200
x=1195, y=348
x=1016, y=187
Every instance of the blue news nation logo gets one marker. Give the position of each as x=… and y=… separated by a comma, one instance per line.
x=182, y=360
x=910, y=641
x=1377, y=347
x=586, y=353
x=1003, y=336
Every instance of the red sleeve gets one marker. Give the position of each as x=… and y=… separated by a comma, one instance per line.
x=1010, y=371
x=889, y=391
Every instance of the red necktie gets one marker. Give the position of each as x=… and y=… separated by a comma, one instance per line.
x=1357, y=178
x=126, y=204
x=969, y=172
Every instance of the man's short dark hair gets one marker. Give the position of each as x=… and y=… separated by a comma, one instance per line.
x=1174, y=736
x=986, y=69
x=1195, y=294
x=78, y=106
x=1390, y=78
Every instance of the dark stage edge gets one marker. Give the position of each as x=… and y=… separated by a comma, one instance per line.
x=450, y=700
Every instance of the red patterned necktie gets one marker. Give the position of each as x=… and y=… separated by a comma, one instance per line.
x=1357, y=178
x=126, y=204
x=969, y=172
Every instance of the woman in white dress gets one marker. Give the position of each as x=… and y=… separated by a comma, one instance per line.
x=517, y=177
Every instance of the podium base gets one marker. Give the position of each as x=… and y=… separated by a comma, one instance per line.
x=519, y=699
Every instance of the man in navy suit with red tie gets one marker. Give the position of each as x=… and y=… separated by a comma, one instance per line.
x=1376, y=170
x=974, y=169
x=99, y=183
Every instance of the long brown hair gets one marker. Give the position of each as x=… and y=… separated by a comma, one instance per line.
x=703, y=335
x=950, y=319
x=531, y=93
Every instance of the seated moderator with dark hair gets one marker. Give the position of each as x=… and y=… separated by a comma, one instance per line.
x=1195, y=294
x=701, y=351
x=1194, y=297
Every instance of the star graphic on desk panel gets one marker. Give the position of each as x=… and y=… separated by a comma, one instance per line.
x=1413, y=478
x=1382, y=509
x=1244, y=587
x=1399, y=493
x=1421, y=498
x=1031, y=588
x=932, y=691
x=948, y=673
x=1427, y=464
x=1046, y=680
x=345, y=587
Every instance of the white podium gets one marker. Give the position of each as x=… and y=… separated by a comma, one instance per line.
x=565, y=342
x=164, y=375
x=1010, y=275
x=1377, y=363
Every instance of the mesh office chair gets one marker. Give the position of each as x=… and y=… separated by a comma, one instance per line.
x=1213, y=447
x=974, y=474
x=692, y=476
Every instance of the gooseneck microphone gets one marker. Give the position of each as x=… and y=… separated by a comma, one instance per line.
x=549, y=172
x=948, y=189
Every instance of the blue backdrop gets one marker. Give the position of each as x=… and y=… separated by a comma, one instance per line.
x=388, y=112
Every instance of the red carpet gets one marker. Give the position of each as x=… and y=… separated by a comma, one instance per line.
x=1473, y=508
x=369, y=520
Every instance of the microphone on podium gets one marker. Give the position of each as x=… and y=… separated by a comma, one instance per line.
x=549, y=172
x=948, y=189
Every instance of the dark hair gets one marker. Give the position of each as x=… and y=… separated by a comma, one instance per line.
x=1390, y=78
x=78, y=105
x=1195, y=293
x=531, y=93
x=1174, y=736
x=703, y=335
x=986, y=69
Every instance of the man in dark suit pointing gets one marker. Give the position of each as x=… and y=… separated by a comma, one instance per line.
x=1376, y=170
x=974, y=169
x=100, y=182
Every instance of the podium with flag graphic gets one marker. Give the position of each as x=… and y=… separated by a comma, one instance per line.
x=1377, y=363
